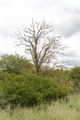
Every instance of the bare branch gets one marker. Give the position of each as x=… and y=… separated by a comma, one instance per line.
x=38, y=41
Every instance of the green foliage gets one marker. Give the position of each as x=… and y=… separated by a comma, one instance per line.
x=75, y=75
x=14, y=63
x=29, y=90
x=5, y=75
x=59, y=75
x=46, y=71
x=64, y=79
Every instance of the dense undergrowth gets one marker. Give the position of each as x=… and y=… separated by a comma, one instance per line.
x=29, y=90
x=19, y=85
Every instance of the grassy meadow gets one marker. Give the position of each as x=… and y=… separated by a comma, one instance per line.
x=68, y=109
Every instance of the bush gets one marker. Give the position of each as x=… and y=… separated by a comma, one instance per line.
x=75, y=75
x=14, y=63
x=30, y=90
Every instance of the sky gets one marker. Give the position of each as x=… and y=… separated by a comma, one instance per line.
x=64, y=14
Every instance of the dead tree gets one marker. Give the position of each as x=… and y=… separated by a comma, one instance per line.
x=41, y=43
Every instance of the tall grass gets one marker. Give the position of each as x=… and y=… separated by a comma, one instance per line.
x=68, y=109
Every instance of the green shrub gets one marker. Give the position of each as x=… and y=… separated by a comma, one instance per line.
x=30, y=90
x=6, y=75
x=75, y=75
x=14, y=63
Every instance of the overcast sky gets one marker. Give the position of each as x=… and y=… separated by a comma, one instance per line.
x=65, y=15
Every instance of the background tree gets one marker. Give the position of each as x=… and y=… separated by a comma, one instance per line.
x=14, y=63
x=75, y=75
x=40, y=43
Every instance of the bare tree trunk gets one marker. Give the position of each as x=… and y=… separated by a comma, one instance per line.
x=37, y=71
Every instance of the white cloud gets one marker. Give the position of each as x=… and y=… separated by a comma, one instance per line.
x=65, y=15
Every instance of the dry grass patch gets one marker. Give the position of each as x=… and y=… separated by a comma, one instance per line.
x=69, y=109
